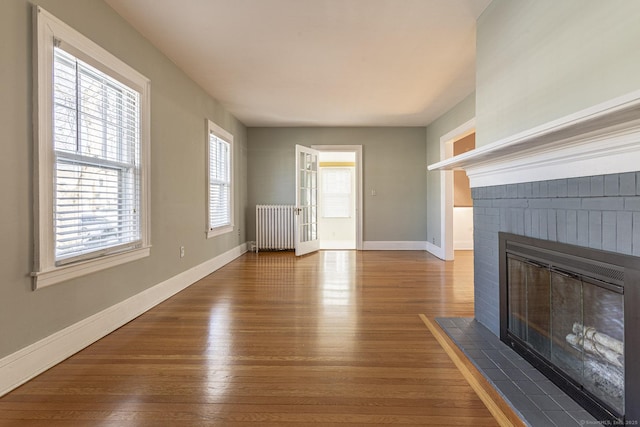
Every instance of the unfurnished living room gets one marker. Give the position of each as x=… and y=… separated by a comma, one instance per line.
x=320, y=212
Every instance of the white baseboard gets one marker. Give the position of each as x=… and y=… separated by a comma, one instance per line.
x=435, y=250
x=338, y=244
x=23, y=365
x=394, y=246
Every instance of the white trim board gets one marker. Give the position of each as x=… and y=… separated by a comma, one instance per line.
x=599, y=140
x=436, y=251
x=23, y=365
x=395, y=246
x=337, y=245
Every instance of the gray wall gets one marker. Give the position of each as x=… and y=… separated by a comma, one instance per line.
x=393, y=165
x=599, y=212
x=457, y=116
x=538, y=60
x=178, y=131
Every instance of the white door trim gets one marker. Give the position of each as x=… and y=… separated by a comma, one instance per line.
x=446, y=187
x=358, y=150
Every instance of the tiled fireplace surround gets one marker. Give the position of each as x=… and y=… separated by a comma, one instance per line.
x=599, y=212
x=575, y=180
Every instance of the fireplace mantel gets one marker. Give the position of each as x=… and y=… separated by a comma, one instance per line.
x=599, y=140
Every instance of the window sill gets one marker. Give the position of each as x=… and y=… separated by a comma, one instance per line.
x=55, y=275
x=218, y=231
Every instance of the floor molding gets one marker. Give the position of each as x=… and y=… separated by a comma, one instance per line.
x=395, y=245
x=23, y=365
x=437, y=251
x=500, y=410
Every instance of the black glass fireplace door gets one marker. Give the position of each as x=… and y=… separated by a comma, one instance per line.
x=573, y=322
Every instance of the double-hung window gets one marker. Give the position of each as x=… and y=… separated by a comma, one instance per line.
x=92, y=156
x=337, y=194
x=220, y=175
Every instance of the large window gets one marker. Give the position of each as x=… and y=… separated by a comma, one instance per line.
x=92, y=150
x=220, y=162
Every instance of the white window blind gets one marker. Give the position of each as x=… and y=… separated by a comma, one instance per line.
x=96, y=138
x=219, y=182
x=337, y=192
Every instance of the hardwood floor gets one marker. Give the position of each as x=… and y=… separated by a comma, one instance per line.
x=328, y=339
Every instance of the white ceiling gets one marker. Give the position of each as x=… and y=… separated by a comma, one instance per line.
x=319, y=62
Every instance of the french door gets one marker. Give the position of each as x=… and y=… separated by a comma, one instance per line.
x=306, y=218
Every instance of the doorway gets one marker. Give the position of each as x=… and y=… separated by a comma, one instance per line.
x=340, y=196
x=446, y=250
x=336, y=219
x=462, y=201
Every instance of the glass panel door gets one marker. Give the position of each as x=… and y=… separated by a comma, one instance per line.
x=306, y=240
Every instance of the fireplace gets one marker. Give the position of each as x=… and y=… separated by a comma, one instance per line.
x=567, y=310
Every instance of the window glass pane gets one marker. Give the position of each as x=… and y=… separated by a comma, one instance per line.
x=219, y=182
x=96, y=143
x=337, y=193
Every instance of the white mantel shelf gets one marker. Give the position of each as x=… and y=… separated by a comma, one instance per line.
x=599, y=140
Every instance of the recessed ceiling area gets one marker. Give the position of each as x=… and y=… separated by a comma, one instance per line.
x=319, y=62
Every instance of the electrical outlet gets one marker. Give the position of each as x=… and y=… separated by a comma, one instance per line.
x=181, y=251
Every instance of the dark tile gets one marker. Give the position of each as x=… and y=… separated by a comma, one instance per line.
x=476, y=353
x=624, y=232
x=486, y=345
x=528, y=387
x=635, y=244
x=462, y=321
x=562, y=419
x=597, y=186
x=536, y=376
x=515, y=374
x=465, y=341
x=548, y=387
x=495, y=374
x=567, y=403
x=537, y=419
x=494, y=353
x=584, y=186
x=573, y=187
x=523, y=365
x=628, y=184
x=533, y=396
x=612, y=185
x=545, y=402
x=584, y=418
x=445, y=322
x=484, y=363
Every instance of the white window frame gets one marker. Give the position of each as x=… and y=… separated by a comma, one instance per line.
x=48, y=30
x=219, y=132
x=349, y=172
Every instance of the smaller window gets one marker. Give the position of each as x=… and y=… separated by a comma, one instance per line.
x=337, y=192
x=220, y=185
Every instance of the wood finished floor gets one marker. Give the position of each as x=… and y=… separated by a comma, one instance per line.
x=332, y=338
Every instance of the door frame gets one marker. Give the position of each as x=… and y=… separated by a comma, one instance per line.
x=446, y=188
x=357, y=149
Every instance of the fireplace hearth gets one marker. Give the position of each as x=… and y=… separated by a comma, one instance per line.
x=568, y=311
